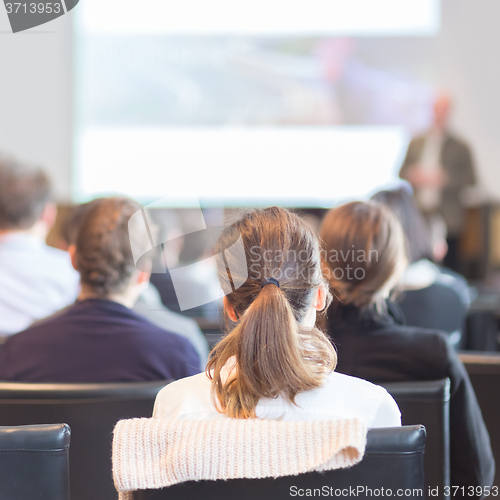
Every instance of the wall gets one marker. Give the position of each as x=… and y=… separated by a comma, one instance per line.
x=36, y=87
x=36, y=97
x=466, y=62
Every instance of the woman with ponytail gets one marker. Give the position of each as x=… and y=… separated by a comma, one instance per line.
x=274, y=363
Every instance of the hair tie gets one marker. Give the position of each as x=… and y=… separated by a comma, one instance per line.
x=270, y=281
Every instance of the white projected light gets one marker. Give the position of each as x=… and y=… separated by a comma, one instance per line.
x=240, y=166
x=245, y=103
x=263, y=17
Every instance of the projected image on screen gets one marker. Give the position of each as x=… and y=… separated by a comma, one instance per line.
x=235, y=116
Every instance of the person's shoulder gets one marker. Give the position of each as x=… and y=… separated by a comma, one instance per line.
x=187, y=384
x=156, y=331
x=161, y=315
x=58, y=262
x=410, y=333
x=458, y=143
x=452, y=138
x=417, y=140
x=426, y=334
x=419, y=137
x=432, y=350
x=56, y=255
x=40, y=333
x=364, y=399
x=423, y=346
x=424, y=339
x=451, y=294
x=187, y=323
x=455, y=281
x=189, y=394
x=56, y=317
x=171, y=343
x=349, y=383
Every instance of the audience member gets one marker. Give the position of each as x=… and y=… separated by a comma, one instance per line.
x=432, y=296
x=364, y=259
x=35, y=279
x=193, y=281
x=149, y=303
x=150, y=306
x=274, y=363
x=100, y=338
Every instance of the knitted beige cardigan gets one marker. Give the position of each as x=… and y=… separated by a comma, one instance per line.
x=152, y=453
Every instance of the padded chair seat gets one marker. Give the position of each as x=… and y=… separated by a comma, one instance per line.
x=394, y=459
x=34, y=462
x=92, y=411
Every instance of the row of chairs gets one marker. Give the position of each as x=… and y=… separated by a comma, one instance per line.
x=92, y=410
x=34, y=464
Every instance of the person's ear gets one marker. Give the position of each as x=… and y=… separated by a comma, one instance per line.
x=72, y=254
x=143, y=277
x=143, y=271
x=49, y=215
x=229, y=310
x=320, y=299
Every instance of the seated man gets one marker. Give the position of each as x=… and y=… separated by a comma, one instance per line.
x=149, y=302
x=100, y=338
x=35, y=279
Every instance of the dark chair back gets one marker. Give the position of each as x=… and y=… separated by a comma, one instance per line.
x=484, y=373
x=394, y=459
x=34, y=462
x=91, y=410
x=427, y=403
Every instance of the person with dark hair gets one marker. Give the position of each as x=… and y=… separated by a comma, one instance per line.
x=364, y=248
x=35, y=280
x=100, y=338
x=431, y=296
x=274, y=363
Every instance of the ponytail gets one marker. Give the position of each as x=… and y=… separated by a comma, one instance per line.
x=268, y=354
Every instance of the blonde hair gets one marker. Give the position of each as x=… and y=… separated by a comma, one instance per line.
x=274, y=355
x=364, y=250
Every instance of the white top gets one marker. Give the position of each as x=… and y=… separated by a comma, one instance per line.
x=35, y=281
x=340, y=397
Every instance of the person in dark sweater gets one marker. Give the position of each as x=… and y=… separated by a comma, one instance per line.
x=364, y=251
x=432, y=296
x=100, y=338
